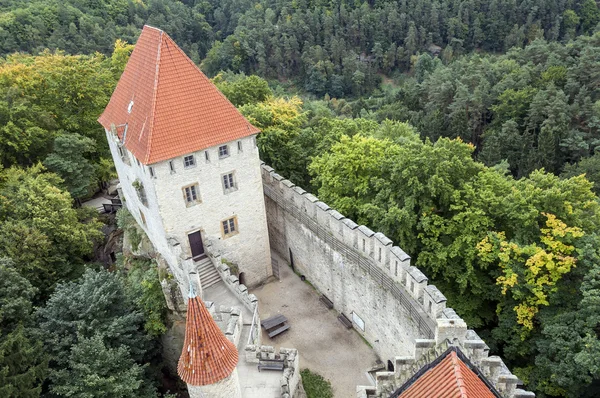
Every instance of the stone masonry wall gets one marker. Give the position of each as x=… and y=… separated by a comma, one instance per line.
x=167, y=220
x=360, y=271
x=290, y=379
x=228, y=387
x=364, y=274
x=249, y=246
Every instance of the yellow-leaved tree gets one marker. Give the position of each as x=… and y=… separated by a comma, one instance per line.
x=529, y=273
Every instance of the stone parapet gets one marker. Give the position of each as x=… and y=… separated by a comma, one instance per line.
x=390, y=263
x=389, y=267
x=290, y=378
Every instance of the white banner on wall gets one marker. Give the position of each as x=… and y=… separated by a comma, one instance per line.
x=358, y=321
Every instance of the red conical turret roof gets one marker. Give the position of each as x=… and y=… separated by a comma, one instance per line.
x=207, y=355
x=169, y=106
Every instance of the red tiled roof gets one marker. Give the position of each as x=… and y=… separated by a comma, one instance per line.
x=176, y=109
x=449, y=378
x=207, y=355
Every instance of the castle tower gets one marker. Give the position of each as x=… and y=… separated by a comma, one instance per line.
x=208, y=360
x=187, y=161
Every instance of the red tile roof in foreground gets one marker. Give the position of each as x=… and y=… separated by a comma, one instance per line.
x=176, y=109
x=207, y=355
x=451, y=377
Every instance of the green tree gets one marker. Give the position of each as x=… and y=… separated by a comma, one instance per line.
x=568, y=349
x=48, y=240
x=93, y=328
x=590, y=15
x=590, y=167
x=68, y=160
x=23, y=363
x=94, y=369
x=347, y=176
x=242, y=89
x=95, y=304
x=143, y=282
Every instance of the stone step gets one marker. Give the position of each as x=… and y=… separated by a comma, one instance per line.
x=203, y=272
x=208, y=273
x=212, y=280
x=206, y=269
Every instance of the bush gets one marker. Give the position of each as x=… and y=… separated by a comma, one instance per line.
x=142, y=279
x=315, y=385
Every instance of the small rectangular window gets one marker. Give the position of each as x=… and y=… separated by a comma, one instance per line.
x=380, y=254
x=121, y=152
x=171, y=166
x=191, y=194
x=143, y=217
x=223, y=151
x=189, y=161
x=364, y=245
x=396, y=272
x=151, y=170
x=206, y=156
x=229, y=227
x=239, y=146
x=228, y=180
x=137, y=161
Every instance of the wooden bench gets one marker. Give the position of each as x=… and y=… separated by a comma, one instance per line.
x=273, y=321
x=270, y=365
x=279, y=330
x=345, y=321
x=325, y=300
x=275, y=325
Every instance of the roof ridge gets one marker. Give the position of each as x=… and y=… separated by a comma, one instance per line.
x=178, y=110
x=209, y=81
x=156, y=77
x=460, y=383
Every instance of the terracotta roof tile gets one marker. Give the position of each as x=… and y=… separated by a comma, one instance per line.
x=450, y=378
x=207, y=355
x=176, y=109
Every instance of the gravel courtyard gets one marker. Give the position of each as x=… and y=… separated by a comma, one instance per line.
x=325, y=345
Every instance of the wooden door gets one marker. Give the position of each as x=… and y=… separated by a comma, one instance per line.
x=196, y=244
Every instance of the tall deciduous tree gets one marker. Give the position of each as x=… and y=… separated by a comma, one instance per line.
x=47, y=239
x=68, y=160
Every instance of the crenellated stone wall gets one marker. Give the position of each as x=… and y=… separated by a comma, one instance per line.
x=427, y=350
x=372, y=282
x=290, y=379
x=366, y=277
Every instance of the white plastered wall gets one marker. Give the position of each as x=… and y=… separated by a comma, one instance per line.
x=169, y=219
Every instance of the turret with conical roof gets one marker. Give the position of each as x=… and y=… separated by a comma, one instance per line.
x=208, y=360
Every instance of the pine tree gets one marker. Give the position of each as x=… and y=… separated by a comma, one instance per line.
x=23, y=363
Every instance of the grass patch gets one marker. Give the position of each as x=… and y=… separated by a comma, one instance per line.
x=315, y=385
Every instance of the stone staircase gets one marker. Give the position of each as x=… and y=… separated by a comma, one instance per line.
x=208, y=273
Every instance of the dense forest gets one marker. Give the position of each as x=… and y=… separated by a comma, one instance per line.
x=465, y=130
